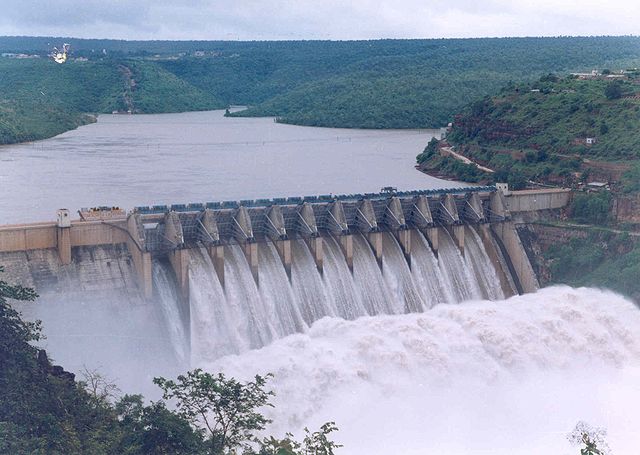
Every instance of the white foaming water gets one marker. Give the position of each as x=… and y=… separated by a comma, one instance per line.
x=428, y=276
x=509, y=377
x=453, y=265
x=476, y=256
x=308, y=287
x=367, y=275
x=168, y=302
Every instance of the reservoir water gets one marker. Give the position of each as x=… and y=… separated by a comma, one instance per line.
x=198, y=157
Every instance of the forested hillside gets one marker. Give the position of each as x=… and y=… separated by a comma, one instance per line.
x=558, y=130
x=39, y=98
x=371, y=84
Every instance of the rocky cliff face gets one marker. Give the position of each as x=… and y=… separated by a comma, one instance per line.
x=626, y=209
x=537, y=238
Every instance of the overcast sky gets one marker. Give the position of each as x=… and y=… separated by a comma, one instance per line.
x=317, y=19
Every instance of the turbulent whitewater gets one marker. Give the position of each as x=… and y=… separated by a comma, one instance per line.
x=507, y=377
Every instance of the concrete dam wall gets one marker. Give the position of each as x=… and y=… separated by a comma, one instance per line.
x=237, y=275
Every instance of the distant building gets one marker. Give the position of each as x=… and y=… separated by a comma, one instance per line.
x=585, y=141
x=504, y=187
x=592, y=75
x=597, y=186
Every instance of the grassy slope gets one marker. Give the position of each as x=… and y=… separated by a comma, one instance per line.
x=40, y=99
x=553, y=118
x=527, y=135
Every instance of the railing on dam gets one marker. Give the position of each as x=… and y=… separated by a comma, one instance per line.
x=323, y=198
x=248, y=220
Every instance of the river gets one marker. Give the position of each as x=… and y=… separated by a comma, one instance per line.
x=198, y=157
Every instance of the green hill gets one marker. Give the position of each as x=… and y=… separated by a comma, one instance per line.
x=554, y=130
x=370, y=84
x=39, y=98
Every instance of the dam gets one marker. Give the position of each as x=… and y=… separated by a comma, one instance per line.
x=224, y=277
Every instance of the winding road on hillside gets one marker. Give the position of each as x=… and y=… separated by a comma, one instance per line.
x=449, y=151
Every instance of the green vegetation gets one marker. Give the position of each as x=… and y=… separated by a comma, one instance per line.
x=44, y=410
x=39, y=98
x=631, y=179
x=555, y=130
x=591, y=208
x=556, y=116
x=371, y=84
x=432, y=162
x=601, y=259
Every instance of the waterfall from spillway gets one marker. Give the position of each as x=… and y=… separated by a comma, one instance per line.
x=430, y=281
x=314, y=299
x=376, y=295
x=241, y=293
x=453, y=265
x=167, y=298
x=477, y=257
x=339, y=282
x=276, y=292
x=247, y=315
x=214, y=323
x=406, y=298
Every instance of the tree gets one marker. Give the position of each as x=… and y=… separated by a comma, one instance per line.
x=591, y=208
x=316, y=443
x=613, y=90
x=101, y=390
x=11, y=323
x=154, y=429
x=592, y=438
x=223, y=408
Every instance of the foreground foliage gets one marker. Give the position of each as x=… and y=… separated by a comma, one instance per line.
x=226, y=410
x=591, y=440
x=44, y=410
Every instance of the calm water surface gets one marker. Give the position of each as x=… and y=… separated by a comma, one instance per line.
x=200, y=157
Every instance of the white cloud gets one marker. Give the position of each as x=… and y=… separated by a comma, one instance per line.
x=313, y=19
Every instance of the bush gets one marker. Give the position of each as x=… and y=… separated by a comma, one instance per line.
x=613, y=90
x=591, y=208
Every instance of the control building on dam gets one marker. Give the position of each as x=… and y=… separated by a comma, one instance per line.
x=42, y=254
